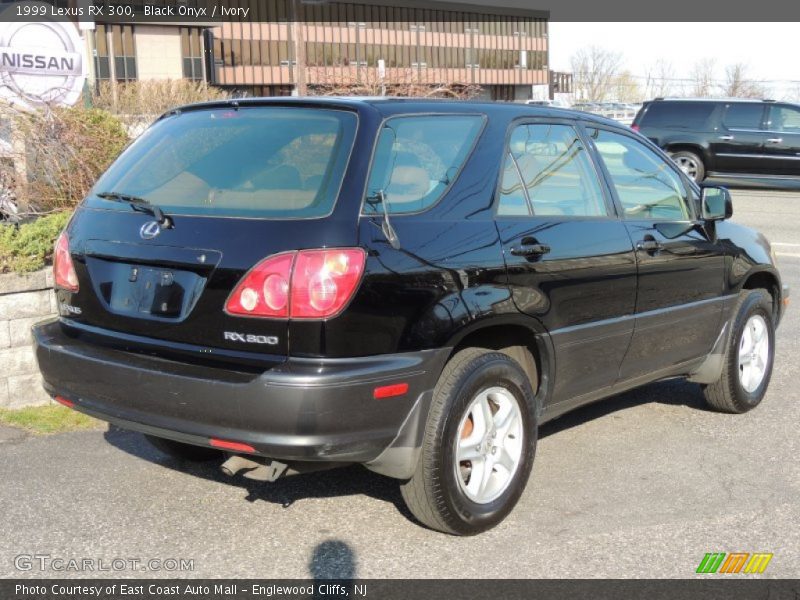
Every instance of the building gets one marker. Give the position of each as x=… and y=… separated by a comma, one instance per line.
x=503, y=51
x=287, y=46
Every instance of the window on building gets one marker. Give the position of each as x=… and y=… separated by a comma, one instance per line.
x=124, y=50
x=192, y=52
x=102, y=66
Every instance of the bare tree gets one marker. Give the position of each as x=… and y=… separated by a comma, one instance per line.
x=737, y=84
x=659, y=79
x=626, y=88
x=594, y=70
x=702, y=77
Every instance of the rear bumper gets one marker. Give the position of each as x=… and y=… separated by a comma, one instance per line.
x=300, y=410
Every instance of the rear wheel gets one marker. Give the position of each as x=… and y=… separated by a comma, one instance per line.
x=690, y=163
x=184, y=451
x=478, y=447
x=748, y=360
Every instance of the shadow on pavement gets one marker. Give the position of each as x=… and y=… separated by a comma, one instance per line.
x=333, y=559
x=355, y=480
x=346, y=481
x=675, y=392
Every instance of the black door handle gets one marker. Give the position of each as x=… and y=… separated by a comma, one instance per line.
x=530, y=250
x=648, y=245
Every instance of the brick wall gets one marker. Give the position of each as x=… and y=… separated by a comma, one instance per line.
x=24, y=300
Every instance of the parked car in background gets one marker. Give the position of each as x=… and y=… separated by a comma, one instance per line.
x=410, y=285
x=551, y=103
x=726, y=138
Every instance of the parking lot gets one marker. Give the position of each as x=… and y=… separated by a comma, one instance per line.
x=641, y=485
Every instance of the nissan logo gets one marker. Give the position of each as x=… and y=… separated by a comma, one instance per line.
x=40, y=62
x=150, y=230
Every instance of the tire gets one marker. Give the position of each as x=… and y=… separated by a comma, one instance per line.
x=439, y=494
x=183, y=451
x=690, y=163
x=744, y=379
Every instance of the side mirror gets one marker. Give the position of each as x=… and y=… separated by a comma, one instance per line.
x=716, y=203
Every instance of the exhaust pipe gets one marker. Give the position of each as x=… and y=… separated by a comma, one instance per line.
x=268, y=470
x=236, y=463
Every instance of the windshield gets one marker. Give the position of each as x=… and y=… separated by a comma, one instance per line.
x=269, y=162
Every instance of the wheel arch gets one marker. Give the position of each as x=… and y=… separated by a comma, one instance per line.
x=694, y=148
x=768, y=280
x=508, y=333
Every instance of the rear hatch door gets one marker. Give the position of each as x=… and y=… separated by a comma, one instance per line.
x=236, y=186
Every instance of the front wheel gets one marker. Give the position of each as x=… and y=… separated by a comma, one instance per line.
x=478, y=447
x=747, y=366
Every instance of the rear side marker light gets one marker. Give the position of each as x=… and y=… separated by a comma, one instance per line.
x=233, y=446
x=63, y=268
x=64, y=401
x=390, y=391
x=309, y=284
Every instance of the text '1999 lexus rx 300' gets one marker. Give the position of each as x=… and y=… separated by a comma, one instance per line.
x=410, y=285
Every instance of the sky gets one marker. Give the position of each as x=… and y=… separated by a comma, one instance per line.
x=768, y=49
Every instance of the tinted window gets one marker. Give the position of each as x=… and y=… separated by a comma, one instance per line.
x=647, y=186
x=743, y=116
x=547, y=171
x=678, y=115
x=262, y=162
x=784, y=118
x=417, y=158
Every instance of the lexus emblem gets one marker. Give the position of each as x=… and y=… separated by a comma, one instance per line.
x=150, y=230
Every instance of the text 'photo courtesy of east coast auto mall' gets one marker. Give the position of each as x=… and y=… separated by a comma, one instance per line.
x=399, y=299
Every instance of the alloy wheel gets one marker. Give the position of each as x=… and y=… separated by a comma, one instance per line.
x=490, y=444
x=753, y=353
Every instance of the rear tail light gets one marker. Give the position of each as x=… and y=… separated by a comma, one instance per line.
x=635, y=127
x=64, y=401
x=63, y=268
x=309, y=284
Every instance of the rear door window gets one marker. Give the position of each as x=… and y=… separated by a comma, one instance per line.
x=417, y=158
x=270, y=162
x=548, y=172
x=784, y=118
x=679, y=115
x=743, y=116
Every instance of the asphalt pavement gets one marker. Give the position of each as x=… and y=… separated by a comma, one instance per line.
x=640, y=485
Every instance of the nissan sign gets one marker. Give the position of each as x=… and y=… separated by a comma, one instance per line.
x=41, y=62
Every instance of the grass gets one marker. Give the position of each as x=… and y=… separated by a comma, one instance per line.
x=49, y=419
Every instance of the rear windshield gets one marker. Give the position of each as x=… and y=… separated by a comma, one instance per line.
x=269, y=162
x=678, y=115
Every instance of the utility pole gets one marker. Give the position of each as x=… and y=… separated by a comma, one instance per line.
x=299, y=49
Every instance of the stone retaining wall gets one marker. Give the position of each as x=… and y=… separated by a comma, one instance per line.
x=24, y=300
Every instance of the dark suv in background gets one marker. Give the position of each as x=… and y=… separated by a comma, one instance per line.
x=409, y=285
x=732, y=139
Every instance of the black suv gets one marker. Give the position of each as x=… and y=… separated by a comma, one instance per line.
x=729, y=139
x=410, y=285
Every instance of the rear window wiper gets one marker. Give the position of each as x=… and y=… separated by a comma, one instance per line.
x=141, y=205
x=379, y=197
